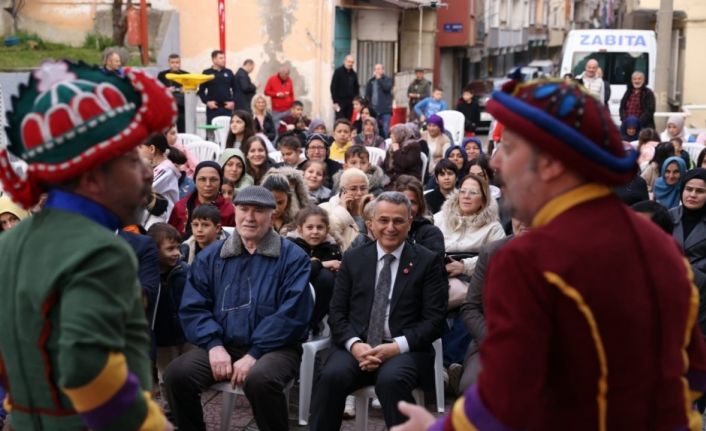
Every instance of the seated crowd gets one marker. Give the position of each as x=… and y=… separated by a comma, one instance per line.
x=243, y=242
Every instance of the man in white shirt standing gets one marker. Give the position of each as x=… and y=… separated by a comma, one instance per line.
x=592, y=81
x=383, y=321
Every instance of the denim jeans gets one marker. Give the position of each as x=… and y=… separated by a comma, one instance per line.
x=384, y=123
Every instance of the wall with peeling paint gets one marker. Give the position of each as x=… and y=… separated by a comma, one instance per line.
x=296, y=33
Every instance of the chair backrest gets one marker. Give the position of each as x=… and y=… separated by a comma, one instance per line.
x=221, y=134
x=425, y=163
x=275, y=156
x=693, y=149
x=204, y=150
x=375, y=155
x=185, y=138
x=454, y=122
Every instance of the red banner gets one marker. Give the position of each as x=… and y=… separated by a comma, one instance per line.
x=222, y=24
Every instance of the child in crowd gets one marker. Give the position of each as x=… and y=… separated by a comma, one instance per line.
x=11, y=214
x=357, y=156
x=358, y=104
x=228, y=190
x=366, y=235
x=234, y=167
x=679, y=151
x=295, y=123
x=313, y=236
x=166, y=325
x=205, y=229
x=191, y=160
x=314, y=174
x=446, y=176
x=163, y=160
x=341, y=139
x=431, y=105
x=630, y=129
x=291, y=149
x=469, y=107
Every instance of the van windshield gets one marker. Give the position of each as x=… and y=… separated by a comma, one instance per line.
x=617, y=66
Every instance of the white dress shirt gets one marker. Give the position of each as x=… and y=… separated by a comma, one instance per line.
x=394, y=266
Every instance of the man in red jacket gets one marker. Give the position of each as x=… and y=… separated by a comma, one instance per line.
x=585, y=330
x=281, y=90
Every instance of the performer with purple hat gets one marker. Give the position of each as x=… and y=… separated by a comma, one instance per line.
x=591, y=315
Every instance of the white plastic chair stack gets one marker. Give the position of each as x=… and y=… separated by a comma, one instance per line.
x=220, y=135
x=363, y=396
x=454, y=122
x=185, y=138
x=693, y=149
x=375, y=155
x=204, y=150
x=425, y=163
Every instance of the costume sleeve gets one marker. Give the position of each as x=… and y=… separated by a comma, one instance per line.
x=93, y=368
x=289, y=323
x=196, y=310
x=472, y=308
x=519, y=324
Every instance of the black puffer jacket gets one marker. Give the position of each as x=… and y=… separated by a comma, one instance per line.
x=166, y=324
x=327, y=250
x=423, y=232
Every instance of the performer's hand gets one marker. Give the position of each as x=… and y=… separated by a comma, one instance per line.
x=211, y=104
x=219, y=359
x=419, y=418
x=230, y=105
x=454, y=268
x=241, y=369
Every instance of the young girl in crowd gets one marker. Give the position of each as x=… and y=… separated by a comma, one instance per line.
x=674, y=129
x=314, y=173
x=480, y=167
x=234, y=168
x=159, y=155
x=317, y=148
x=258, y=163
x=241, y=128
x=313, y=236
x=228, y=190
x=191, y=160
x=341, y=140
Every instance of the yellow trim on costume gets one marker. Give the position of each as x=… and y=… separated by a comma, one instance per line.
x=6, y=403
x=574, y=295
x=155, y=420
x=568, y=200
x=103, y=387
x=458, y=417
x=694, y=418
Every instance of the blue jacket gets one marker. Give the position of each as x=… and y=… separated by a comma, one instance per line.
x=261, y=300
x=428, y=106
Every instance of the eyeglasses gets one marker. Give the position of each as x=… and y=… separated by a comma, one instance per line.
x=469, y=193
x=356, y=189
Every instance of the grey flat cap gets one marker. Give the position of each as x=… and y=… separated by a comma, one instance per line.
x=255, y=195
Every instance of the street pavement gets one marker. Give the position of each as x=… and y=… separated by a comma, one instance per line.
x=242, y=419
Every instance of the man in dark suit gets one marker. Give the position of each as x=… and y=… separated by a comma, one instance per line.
x=344, y=87
x=244, y=87
x=383, y=321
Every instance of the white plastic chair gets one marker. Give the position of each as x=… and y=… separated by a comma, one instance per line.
x=229, y=394
x=425, y=163
x=363, y=396
x=693, y=149
x=275, y=156
x=375, y=155
x=204, y=150
x=185, y=138
x=306, y=371
x=220, y=135
x=454, y=122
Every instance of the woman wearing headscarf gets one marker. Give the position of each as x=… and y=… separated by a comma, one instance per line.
x=674, y=129
x=653, y=170
x=11, y=214
x=370, y=135
x=667, y=186
x=317, y=148
x=690, y=230
x=630, y=129
x=436, y=140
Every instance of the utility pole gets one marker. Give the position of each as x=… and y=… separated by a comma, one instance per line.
x=664, y=42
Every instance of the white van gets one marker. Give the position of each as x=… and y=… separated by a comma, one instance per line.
x=619, y=53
